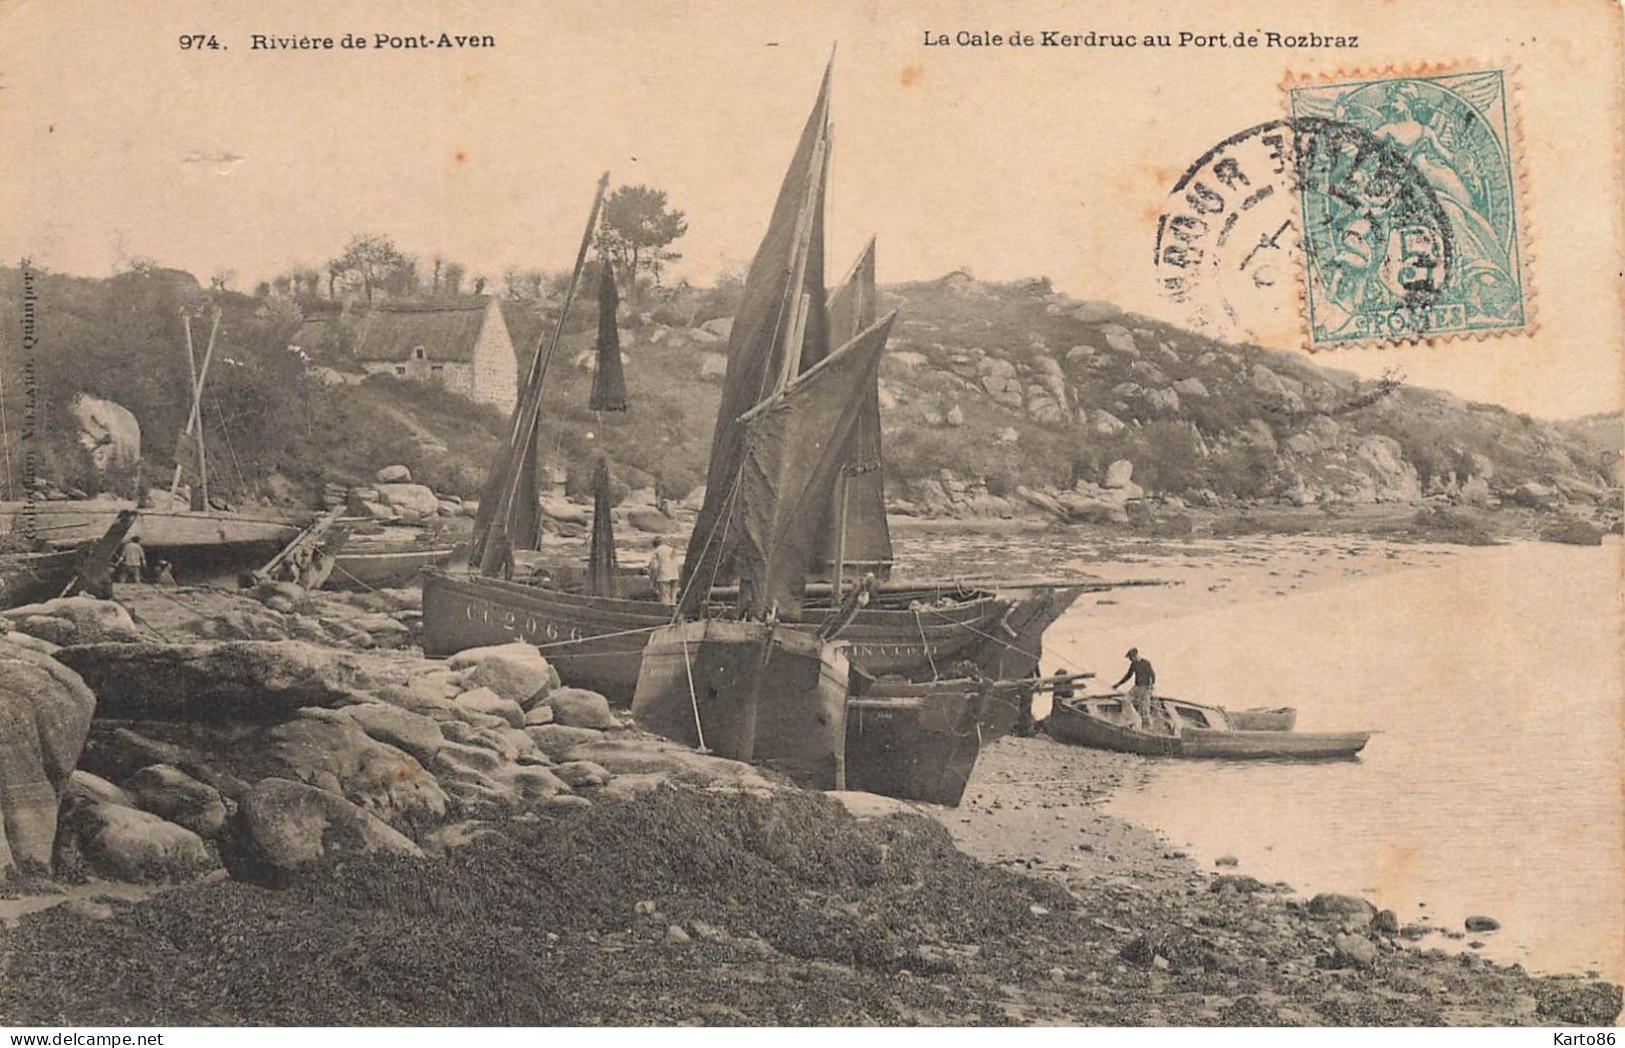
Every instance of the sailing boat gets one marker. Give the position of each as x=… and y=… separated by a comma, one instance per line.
x=751, y=687
x=919, y=630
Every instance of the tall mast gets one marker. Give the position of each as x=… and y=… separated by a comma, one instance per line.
x=522, y=435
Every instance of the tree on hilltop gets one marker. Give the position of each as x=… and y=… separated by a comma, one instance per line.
x=636, y=233
x=373, y=261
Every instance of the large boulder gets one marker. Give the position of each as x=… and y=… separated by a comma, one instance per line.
x=248, y=681
x=652, y=521
x=565, y=512
x=124, y=844
x=410, y=501
x=481, y=779
x=555, y=739
x=88, y=787
x=1119, y=338
x=1333, y=904
x=487, y=703
x=171, y=794
x=413, y=733
x=118, y=755
x=45, y=712
x=328, y=749
x=1094, y=311
x=108, y=430
x=521, y=676
x=722, y=327
x=1395, y=479
x=580, y=708
x=583, y=773
x=396, y=474
x=75, y=620
x=289, y=824
x=647, y=761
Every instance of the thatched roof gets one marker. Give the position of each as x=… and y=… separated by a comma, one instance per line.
x=446, y=331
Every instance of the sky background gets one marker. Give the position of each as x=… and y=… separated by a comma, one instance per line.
x=1011, y=162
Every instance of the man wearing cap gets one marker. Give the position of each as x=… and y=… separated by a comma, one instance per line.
x=1145, y=681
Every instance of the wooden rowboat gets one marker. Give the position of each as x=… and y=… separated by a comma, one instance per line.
x=1105, y=722
x=359, y=565
x=1280, y=718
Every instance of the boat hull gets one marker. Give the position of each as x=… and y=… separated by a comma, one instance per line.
x=598, y=642
x=176, y=535
x=749, y=691
x=917, y=742
x=1101, y=723
x=361, y=568
x=29, y=577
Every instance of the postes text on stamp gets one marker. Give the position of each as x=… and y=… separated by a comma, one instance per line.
x=1448, y=264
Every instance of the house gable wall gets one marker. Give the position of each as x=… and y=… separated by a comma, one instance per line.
x=495, y=371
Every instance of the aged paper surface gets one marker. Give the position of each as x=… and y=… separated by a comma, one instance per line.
x=1400, y=196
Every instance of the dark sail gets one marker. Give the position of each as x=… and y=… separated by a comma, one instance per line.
x=855, y=534
x=608, y=381
x=777, y=320
x=507, y=517
x=794, y=446
x=601, y=575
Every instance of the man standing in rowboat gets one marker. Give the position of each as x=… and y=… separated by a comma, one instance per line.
x=1145, y=681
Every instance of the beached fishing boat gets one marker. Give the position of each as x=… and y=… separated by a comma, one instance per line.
x=921, y=746
x=917, y=741
x=787, y=420
x=1105, y=723
x=749, y=691
x=922, y=630
x=596, y=641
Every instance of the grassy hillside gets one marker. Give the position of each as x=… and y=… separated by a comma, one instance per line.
x=992, y=394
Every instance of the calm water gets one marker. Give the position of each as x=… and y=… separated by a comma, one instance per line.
x=1495, y=679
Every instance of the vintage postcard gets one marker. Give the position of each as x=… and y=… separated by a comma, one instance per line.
x=684, y=512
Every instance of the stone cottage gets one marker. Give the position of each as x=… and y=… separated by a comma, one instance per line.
x=462, y=345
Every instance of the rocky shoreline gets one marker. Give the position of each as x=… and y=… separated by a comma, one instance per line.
x=289, y=817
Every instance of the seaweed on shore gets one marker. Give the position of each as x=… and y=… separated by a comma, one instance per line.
x=539, y=923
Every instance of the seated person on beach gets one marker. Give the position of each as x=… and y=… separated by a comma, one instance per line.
x=1143, y=692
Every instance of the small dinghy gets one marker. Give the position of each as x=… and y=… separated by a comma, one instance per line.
x=1280, y=718
x=1107, y=723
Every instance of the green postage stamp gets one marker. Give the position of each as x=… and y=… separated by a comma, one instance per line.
x=1449, y=263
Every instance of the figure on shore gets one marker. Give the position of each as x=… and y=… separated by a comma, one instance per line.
x=1063, y=687
x=132, y=561
x=164, y=574
x=1143, y=693
x=665, y=571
